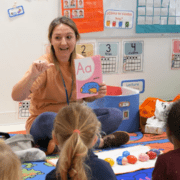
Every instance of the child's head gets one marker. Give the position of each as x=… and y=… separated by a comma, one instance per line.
x=75, y=131
x=173, y=121
x=10, y=165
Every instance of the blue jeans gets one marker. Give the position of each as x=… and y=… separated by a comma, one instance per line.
x=42, y=127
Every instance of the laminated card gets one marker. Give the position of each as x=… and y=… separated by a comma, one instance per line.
x=88, y=76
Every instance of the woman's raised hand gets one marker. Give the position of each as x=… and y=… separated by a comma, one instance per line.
x=39, y=67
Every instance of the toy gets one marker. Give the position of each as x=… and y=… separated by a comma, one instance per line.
x=110, y=161
x=143, y=157
x=156, y=151
x=121, y=160
x=151, y=154
x=126, y=153
x=131, y=159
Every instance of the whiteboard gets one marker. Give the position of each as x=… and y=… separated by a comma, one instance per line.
x=128, y=5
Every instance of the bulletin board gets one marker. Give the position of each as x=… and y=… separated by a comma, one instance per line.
x=136, y=30
x=159, y=16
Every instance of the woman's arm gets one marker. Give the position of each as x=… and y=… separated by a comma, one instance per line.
x=21, y=90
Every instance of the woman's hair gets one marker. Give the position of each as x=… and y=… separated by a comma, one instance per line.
x=67, y=21
x=173, y=119
x=10, y=165
x=73, y=145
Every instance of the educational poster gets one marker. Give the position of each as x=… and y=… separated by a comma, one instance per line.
x=23, y=109
x=88, y=76
x=85, y=49
x=158, y=16
x=109, y=52
x=133, y=56
x=87, y=14
x=175, y=58
x=119, y=19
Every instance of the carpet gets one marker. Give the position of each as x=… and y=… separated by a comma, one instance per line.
x=38, y=170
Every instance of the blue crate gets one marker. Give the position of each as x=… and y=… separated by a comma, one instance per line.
x=128, y=103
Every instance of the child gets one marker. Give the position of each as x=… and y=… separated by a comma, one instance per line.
x=10, y=165
x=167, y=165
x=75, y=132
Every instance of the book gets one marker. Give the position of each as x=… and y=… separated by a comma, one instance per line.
x=88, y=76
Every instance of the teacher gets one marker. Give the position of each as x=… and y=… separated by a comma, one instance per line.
x=50, y=83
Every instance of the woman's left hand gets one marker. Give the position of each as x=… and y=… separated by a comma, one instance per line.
x=102, y=90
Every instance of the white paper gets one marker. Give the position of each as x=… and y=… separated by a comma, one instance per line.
x=177, y=20
x=172, y=11
x=141, y=19
x=135, y=150
x=165, y=3
x=149, y=3
x=172, y=4
x=141, y=10
x=157, y=3
x=172, y=20
x=163, y=20
x=157, y=11
x=177, y=11
x=148, y=20
x=164, y=11
x=156, y=20
x=149, y=11
x=142, y=2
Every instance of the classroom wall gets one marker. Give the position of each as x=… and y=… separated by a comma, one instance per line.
x=23, y=39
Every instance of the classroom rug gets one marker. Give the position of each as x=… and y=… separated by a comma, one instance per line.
x=38, y=170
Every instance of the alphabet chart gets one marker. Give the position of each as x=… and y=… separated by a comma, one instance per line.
x=109, y=52
x=158, y=16
x=175, y=59
x=85, y=49
x=133, y=56
x=23, y=109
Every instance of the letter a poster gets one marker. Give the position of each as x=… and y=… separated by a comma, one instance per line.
x=88, y=76
x=87, y=14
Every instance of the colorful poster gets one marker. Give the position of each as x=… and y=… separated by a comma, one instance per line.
x=87, y=14
x=88, y=76
x=85, y=49
x=133, y=56
x=175, y=58
x=119, y=19
x=109, y=52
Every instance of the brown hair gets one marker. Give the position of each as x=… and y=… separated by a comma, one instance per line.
x=67, y=21
x=10, y=165
x=74, y=146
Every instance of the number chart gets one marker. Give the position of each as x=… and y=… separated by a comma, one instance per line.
x=109, y=56
x=133, y=56
x=175, y=59
x=85, y=49
x=23, y=109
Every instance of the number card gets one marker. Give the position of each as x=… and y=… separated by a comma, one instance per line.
x=175, y=58
x=85, y=49
x=23, y=109
x=109, y=56
x=133, y=56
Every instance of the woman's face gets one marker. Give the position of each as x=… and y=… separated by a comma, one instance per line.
x=64, y=41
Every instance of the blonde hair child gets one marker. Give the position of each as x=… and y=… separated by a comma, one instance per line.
x=10, y=165
x=75, y=131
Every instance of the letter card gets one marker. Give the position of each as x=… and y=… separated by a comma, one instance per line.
x=88, y=76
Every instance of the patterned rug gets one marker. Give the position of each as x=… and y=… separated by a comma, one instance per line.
x=38, y=170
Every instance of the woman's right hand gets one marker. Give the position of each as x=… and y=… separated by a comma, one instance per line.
x=39, y=67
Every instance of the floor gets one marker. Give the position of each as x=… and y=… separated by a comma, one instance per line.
x=11, y=128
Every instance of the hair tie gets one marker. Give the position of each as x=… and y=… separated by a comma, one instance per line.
x=77, y=131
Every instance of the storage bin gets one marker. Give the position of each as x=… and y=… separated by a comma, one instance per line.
x=128, y=103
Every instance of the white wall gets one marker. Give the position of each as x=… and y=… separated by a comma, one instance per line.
x=22, y=39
